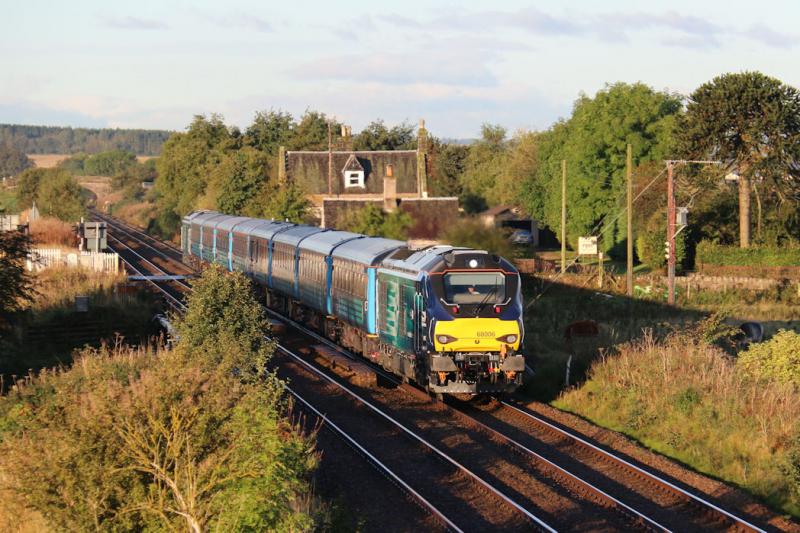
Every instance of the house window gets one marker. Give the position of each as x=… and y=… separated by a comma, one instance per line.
x=354, y=178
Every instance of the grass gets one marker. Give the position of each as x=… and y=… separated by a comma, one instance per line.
x=48, y=231
x=619, y=318
x=51, y=328
x=8, y=201
x=686, y=399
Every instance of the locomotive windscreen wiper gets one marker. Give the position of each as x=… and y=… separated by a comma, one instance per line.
x=485, y=300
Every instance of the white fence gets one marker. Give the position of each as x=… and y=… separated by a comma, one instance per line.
x=41, y=258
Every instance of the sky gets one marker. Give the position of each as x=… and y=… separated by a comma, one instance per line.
x=156, y=64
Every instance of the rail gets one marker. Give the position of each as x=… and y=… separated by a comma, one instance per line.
x=583, y=442
x=641, y=471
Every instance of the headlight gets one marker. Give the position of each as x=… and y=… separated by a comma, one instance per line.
x=508, y=339
x=444, y=339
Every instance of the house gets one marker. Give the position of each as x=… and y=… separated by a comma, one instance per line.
x=344, y=180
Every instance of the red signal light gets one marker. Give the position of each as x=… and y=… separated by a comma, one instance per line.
x=455, y=309
x=497, y=309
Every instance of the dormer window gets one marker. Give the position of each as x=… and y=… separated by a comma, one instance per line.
x=353, y=173
x=354, y=178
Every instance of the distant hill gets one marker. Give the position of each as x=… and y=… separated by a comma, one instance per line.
x=58, y=140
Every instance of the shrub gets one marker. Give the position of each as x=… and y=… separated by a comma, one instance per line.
x=198, y=438
x=147, y=440
x=226, y=324
x=373, y=221
x=759, y=256
x=776, y=359
x=650, y=244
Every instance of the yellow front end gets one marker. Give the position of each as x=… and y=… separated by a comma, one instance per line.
x=476, y=335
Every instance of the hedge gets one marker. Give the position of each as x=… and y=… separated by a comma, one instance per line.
x=760, y=256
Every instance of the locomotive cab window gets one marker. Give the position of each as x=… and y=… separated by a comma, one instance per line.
x=474, y=288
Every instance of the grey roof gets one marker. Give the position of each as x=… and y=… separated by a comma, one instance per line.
x=418, y=260
x=296, y=234
x=214, y=220
x=202, y=217
x=193, y=215
x=250, y=224
x=268, y=228
x=367, y=250
x=323, y=243
x=229, y=223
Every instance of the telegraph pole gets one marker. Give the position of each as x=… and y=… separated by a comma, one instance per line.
x=330, y=159
x=671, y=222
x=629, y=272
x=671, y=215
x=563, y=216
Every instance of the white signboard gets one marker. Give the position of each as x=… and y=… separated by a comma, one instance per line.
x=587, y=245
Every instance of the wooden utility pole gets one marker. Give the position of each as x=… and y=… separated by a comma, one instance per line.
x=563, y=216
x=629, y=270
x=330, y=160
x=671, y=216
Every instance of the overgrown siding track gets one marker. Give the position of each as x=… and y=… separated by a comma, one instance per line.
x=548, y=477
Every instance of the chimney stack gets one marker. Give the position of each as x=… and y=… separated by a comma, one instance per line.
x=389, y=190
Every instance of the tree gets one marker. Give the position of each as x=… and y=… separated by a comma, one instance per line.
x=287, y=202
x=373, y=221
x=594, y=143
x=186, y=159
x=12, y=161
x=55, y=191
x=448, y=164
x=750, y=122
x=270, y=130
x=376, y=136
x=60, y=196
x=109, y=163
x=28, y=185
x=485, y=165
x=16, y=286
x=238, y=179
x=311, y=133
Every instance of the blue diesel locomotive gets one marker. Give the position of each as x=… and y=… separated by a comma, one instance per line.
x=448, y=318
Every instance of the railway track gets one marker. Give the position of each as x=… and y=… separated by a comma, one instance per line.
x=594, y=485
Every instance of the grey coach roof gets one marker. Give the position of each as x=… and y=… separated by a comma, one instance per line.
x=418, y=260
x=270, y=228
x=250, y=224
x=323, y=243
x=230, y=222
x=202, y=217
x=294, y=235
x=366, y=250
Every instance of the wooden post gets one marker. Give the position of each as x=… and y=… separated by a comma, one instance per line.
x=600, y=273
x=671, y=215
x=330, y=160
x=629, y=270
x=563, y=216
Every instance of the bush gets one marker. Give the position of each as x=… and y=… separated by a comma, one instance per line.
x=650, y=246
x=198, y=438
x=373, y=221
x=716, y=254
x=139, y=440
x=776, y=359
